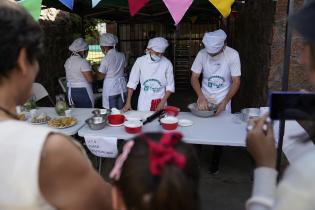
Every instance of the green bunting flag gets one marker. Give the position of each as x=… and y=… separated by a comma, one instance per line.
x=33, y=7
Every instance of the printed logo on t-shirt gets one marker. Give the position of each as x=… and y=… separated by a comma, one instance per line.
x=216, y=82
x=153, y=85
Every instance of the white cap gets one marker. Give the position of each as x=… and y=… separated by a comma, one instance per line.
x=158, y=44
x=214, y=41
x=78, y=45
x=108, y=40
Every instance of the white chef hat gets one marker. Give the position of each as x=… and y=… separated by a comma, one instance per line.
x=78, y=45
x=214, y=41
x=158, y=44
x=108, y=39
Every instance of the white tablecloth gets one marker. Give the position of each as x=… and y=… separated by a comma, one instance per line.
x=220, y=130
x=81, y=114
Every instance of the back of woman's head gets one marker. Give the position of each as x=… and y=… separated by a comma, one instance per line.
x=160, y=173
x=18, y=30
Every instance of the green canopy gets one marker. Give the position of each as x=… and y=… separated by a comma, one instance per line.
x=118, y=10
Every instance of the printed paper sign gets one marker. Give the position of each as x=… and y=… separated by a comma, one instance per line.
x=102, y=146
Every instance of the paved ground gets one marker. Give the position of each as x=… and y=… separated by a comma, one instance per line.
x=229, y=189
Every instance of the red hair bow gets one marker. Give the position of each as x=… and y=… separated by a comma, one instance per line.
x=163, y=153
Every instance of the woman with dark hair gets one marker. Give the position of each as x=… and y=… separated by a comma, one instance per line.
x=39, y=169
x=156, y=172
x=296, y=190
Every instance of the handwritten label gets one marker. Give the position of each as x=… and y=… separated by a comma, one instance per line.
x=102, y=146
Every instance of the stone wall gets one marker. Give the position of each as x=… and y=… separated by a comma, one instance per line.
x=297, y=77
x=253, y=38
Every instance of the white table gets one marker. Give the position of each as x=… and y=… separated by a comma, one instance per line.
x=220, y=130
x=81, y=114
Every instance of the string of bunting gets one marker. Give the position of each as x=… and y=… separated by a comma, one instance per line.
x=177, y=8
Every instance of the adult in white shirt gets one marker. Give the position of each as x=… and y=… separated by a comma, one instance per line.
x=79, y=76
x=112, y=71
x=296, y=190
x=155, y=74
x=221, y=69
x=40, y=169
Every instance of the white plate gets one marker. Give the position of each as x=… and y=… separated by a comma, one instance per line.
x=115, y=125
x=185, y=123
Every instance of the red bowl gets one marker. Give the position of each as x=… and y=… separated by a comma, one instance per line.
x=172, y=110
x=169, y=123
x=133, y=127
x=116, y=119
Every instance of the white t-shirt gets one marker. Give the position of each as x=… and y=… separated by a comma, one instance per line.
x=74, y=66
x=113, y=64
x=217, y=71
x=155, y=78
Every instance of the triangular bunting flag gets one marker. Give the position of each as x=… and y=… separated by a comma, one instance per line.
x=95, y=2
x=32, y=6
x=136, y=5
x=178, y=8
x=223, y=6
x=68, y=3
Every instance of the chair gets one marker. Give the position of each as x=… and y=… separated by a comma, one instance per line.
x=63, y=83
x=40, y=92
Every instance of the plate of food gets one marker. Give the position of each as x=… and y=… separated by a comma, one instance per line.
x=62, y=122
x=43, y=118
x=22, y=117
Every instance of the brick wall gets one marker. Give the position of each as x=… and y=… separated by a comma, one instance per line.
x=297, y=77
x=253, y=38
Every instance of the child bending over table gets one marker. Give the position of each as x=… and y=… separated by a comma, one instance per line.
x=156, y=172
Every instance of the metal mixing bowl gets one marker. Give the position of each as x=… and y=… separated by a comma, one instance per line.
x=98, y=113
x=96, y=123
x=194, y=110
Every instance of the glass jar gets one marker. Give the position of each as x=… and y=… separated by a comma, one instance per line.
x=29, y=105
x=61, y=105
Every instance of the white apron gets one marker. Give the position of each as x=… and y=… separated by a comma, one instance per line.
x=216, y=80
x=113, y=86
x=85, y=85
x=151, y=90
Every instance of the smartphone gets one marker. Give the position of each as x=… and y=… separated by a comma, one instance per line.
x=292, y=106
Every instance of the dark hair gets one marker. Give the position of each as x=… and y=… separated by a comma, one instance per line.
x=174, y=189
x=18, y=30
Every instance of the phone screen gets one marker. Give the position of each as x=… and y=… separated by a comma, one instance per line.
x=292, y=106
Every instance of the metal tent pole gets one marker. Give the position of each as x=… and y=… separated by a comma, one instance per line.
x=285, y=78
x=82, y=27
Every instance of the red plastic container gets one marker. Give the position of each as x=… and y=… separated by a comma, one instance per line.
x=133, y=126
x=116, y=119
x=172, y=110
x=169, y=123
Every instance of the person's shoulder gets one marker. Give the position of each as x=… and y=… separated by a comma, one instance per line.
x=231, y=52
x=202, y=52
x=166, y=60
x=304, y=166
x=62, y=148
x=141, y=59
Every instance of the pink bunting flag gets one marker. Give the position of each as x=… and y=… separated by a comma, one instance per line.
x=136, y=5
x=177, y=8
